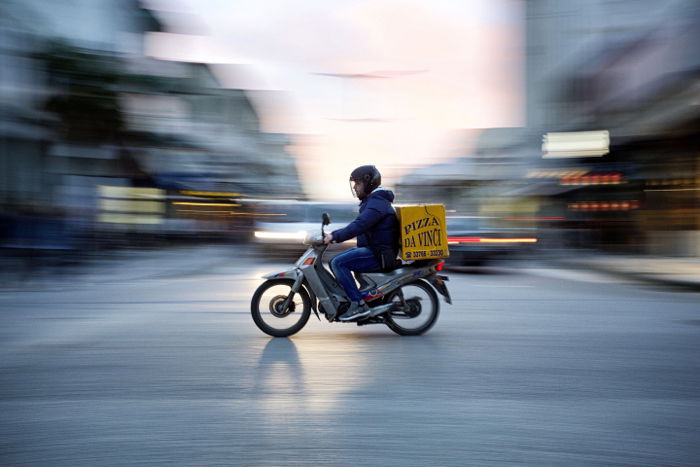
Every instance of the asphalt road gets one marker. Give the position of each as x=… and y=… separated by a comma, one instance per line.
x=164, y=366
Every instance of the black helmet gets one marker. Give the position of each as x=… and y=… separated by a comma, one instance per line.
x=367, y=174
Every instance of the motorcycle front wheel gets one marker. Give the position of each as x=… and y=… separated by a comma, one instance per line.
x=270, y=313
x=416, y=309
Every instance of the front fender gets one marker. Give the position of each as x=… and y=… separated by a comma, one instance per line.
x=289, y=274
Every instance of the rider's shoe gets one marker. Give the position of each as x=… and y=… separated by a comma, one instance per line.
x=356, y=310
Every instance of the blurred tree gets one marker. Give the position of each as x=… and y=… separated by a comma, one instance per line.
x=85, y=94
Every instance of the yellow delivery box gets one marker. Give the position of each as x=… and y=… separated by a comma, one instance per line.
x=423, y=232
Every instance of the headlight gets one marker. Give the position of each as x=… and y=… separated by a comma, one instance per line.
x=298, y=235
x=313, y=239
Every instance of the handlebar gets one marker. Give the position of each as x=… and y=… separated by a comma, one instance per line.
x=325, y=220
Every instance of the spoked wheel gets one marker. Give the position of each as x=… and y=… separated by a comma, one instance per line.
x=274, y=314
x=416, y=309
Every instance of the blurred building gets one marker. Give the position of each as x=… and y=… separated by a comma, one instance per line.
x=82, y=109
x=472, y=184
x=632, y=69
x=192, y=134
x=623, y=71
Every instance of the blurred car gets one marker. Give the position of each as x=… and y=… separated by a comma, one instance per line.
x=282, y=226
x=473, y=241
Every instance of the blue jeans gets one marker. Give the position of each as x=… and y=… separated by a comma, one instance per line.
x=358, y=259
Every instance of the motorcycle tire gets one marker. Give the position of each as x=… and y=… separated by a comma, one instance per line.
x=394, y=320
x=283, y=288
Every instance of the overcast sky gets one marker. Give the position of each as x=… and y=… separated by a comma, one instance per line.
x=422, y=74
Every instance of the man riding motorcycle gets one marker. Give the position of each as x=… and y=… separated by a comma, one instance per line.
x=376, y=228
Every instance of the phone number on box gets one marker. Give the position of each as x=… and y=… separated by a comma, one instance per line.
x=424, y=254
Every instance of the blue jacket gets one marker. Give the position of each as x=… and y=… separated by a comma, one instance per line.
x=377, y=220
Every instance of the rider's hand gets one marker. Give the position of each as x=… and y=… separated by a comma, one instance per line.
x=328, y=238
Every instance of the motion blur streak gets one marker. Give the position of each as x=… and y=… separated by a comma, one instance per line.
x=158, y=156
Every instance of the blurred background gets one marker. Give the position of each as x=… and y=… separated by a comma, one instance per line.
x=545, y=127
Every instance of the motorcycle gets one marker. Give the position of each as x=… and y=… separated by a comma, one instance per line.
x=404, y=299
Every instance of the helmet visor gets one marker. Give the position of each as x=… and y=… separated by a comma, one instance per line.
x=352, y=188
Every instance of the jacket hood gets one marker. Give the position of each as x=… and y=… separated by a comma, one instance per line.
x=382, y=193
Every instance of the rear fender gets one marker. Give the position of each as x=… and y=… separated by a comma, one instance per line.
x=438, y=281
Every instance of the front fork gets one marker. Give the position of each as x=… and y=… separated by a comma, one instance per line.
x=295, y=288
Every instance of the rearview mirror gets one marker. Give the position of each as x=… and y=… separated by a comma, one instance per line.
x=326, y=218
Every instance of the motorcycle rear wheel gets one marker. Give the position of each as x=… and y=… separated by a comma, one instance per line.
x=269, y=314
x=419, y=313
